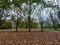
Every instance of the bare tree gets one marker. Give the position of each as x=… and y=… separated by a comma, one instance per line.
x=39, y=13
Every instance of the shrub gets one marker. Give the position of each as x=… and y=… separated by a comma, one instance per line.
x=6, y=25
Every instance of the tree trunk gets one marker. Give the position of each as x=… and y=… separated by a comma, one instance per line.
x=29, y=14
x=29, y=23
x=53, y=21
x=41, y=26
x=41, y=22
x=17, y=24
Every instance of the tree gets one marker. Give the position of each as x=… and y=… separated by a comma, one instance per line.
x=29, y=4
x=59, y=14
x=52, y=21
x=4, y=5
x=53, y=6
x=1, y=16
x=39, y=14
x=33, y=24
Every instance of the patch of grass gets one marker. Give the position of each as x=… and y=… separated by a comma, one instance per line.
x=58, y=29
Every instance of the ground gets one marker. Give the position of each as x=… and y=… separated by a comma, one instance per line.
x=29, y=38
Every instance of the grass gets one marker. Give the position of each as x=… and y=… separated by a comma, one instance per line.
x=51, y=29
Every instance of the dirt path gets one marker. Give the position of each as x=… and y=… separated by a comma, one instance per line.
x=30, y=38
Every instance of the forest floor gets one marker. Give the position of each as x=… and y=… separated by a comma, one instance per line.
x=30, y=38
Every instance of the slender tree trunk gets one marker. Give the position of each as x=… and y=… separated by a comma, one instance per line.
x=29, y=23
x=53, y=21
x=17, y=23
x=16, y=26
x=29, y=14
x=41, y=26
x=41, y=19
x=41, y=22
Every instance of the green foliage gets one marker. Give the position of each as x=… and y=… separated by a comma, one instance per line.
x=34, y=25
x=25, y=25
x=58, y=25
x=1, y=16
x=5, y=4
x=6, y=25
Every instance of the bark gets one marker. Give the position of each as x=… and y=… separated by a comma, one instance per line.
x=41, y=26
x=29, y=23
x=53, y=21
x=17, y=24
